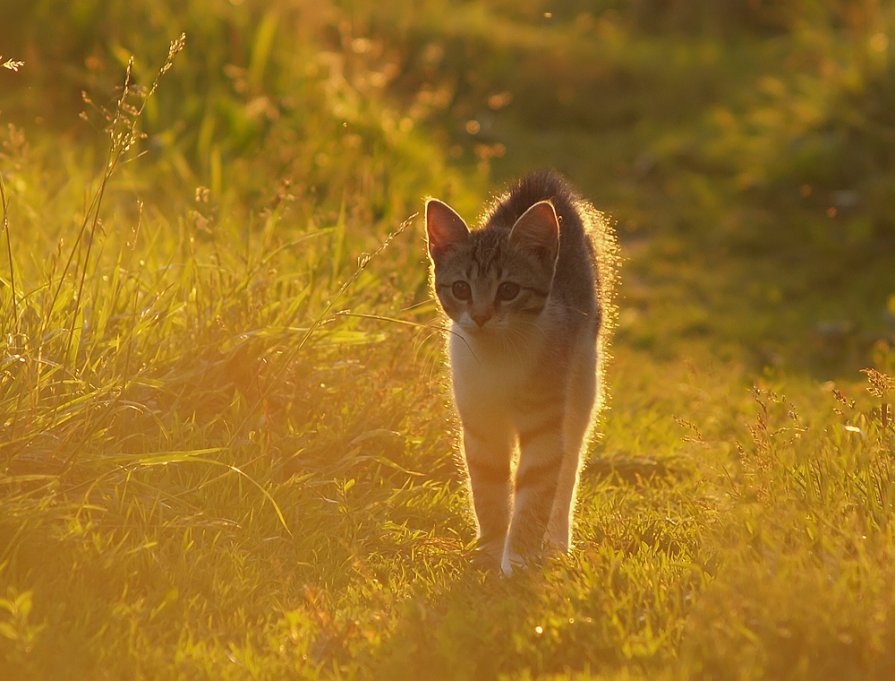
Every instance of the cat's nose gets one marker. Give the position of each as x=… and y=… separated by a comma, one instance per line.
x=480, y=317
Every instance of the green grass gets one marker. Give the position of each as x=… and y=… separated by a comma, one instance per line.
x=226, y=444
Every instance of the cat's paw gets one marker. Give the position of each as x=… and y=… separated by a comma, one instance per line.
x=511, y=561
x=554, y=546
x=487, y=557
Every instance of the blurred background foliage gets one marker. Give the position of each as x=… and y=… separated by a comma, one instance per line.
x=791, y=100
x=788, y=103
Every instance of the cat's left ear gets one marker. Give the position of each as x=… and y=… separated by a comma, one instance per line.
x=444, y=228
x=538, y=231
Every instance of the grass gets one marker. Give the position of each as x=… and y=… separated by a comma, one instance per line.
x=226, y=446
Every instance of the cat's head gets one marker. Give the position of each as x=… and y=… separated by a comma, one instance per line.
x=492, y=280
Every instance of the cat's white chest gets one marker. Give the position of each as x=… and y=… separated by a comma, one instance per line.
x=485, y=374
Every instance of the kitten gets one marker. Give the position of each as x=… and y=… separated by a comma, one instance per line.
x=529, y=299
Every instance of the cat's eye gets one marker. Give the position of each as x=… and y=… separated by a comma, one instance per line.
x=507, y=290
x=461, y=290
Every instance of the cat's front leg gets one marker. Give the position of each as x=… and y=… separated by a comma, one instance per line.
x=540, y=459
x=488, y=449
x=581, y=395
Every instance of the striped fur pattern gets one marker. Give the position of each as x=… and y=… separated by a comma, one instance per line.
x=529, y=310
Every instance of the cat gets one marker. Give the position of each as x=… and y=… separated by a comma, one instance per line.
x=529, y=299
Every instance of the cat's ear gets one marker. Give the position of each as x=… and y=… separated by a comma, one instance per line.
x=538, y=231
x=444, y=228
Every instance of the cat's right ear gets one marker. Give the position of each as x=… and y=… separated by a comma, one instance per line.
x=444, y=228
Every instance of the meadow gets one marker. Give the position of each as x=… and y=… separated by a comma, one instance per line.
x=227, y=449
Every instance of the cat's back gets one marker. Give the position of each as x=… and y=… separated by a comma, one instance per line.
x=577, y=282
